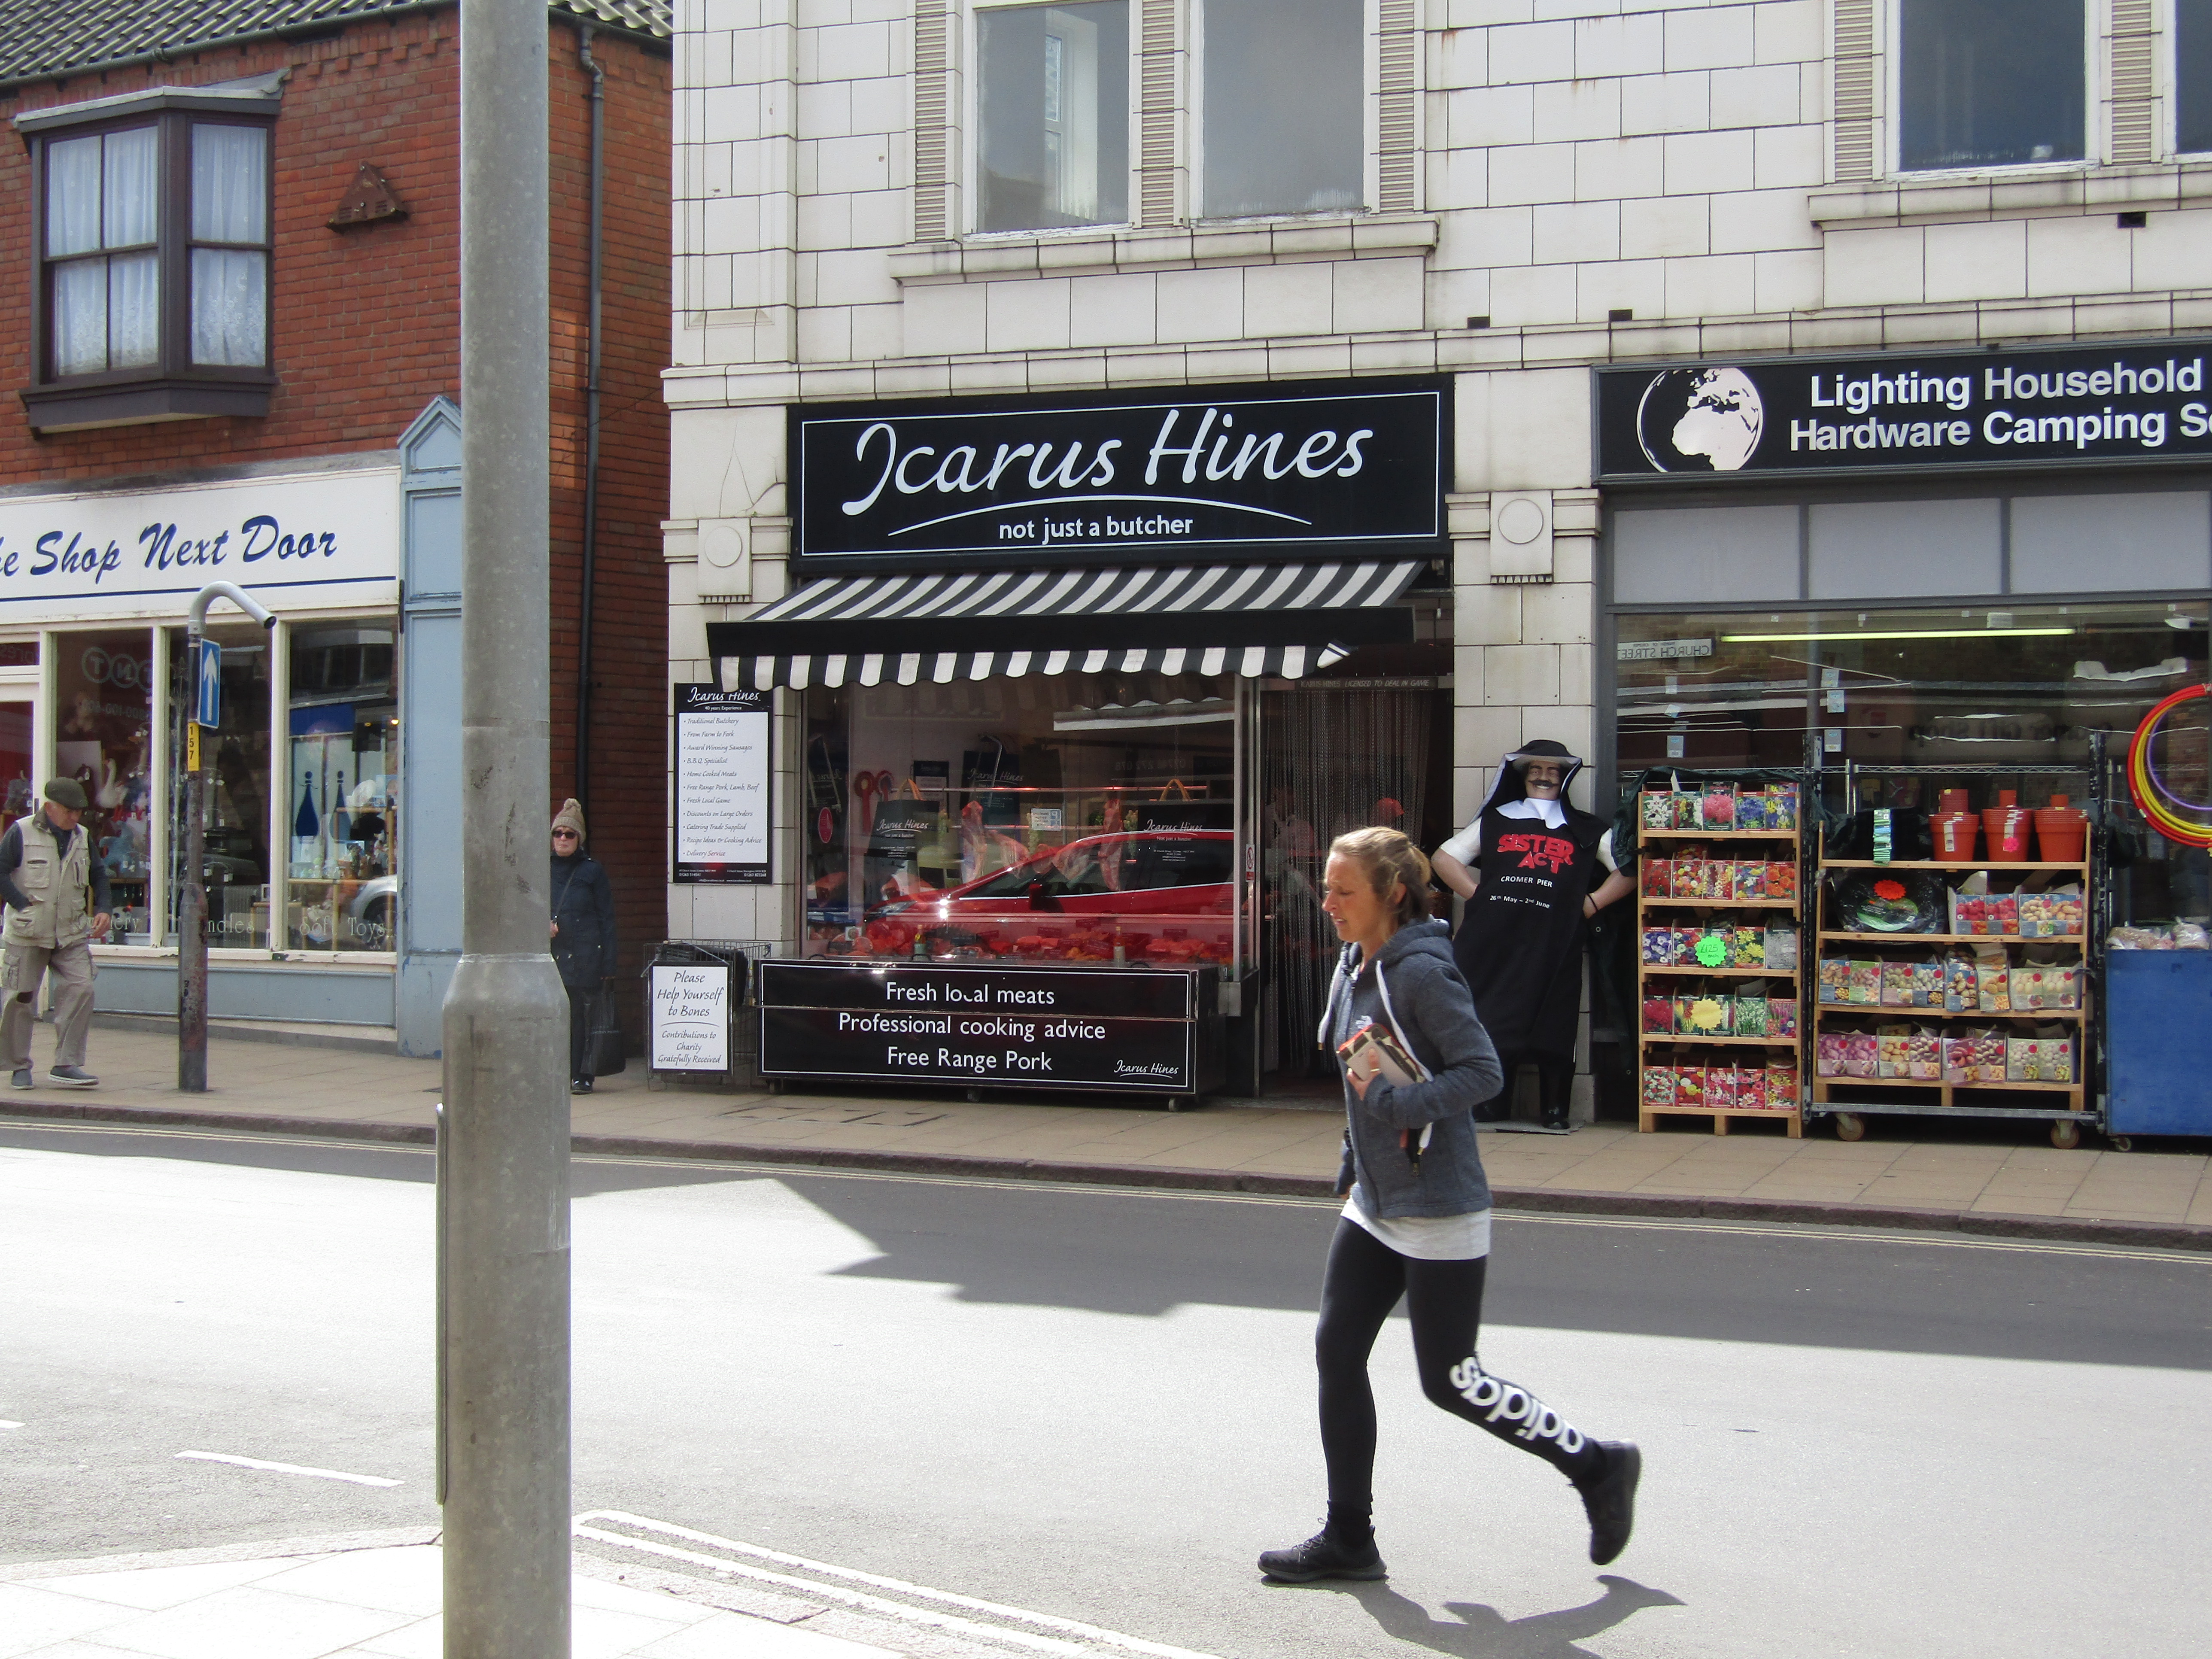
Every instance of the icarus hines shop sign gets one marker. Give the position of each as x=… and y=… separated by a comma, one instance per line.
x=1317, y=470
x=1907, y=412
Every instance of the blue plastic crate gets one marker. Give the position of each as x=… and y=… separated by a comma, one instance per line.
x=2159, y=1008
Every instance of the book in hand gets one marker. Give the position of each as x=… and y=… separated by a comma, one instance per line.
x=1373, y=1051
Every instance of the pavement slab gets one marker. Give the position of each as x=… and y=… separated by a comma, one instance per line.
x=384, y=1601
x=1990, y=1184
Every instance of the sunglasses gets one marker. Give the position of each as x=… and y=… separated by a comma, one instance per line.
x=564, y=835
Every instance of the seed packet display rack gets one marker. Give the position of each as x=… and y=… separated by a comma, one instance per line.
x=1850, y=1099
x=1675, y=985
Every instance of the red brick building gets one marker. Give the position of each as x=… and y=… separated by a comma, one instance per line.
x=233, y=324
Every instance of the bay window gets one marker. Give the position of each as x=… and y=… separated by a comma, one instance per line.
x=153, y=251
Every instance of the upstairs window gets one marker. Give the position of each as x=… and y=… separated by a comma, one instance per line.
x=2192, y=75
x=230, y=246
x=1054, y=97
x=1282, y=117
x=103, y=272
x=152, y=255
x=1987, y=83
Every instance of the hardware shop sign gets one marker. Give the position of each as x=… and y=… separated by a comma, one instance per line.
x=929, y=1023
x=1905, y=412
x=1318, y=470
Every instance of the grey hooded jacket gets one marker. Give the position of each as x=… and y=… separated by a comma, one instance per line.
x=1412, y=986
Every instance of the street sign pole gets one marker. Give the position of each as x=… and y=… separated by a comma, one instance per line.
x=204, y=658
x=503, y=1210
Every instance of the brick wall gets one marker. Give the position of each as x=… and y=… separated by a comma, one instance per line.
x=367, y=331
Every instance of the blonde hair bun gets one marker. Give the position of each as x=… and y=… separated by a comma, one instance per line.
x=1389, y=857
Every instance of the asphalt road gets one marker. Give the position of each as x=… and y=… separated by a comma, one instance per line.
x=1099, y=1403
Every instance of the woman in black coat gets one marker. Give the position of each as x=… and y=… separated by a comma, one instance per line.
x=583, y=934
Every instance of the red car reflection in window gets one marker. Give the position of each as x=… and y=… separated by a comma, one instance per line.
x=1081, y=899
x=1147, y=872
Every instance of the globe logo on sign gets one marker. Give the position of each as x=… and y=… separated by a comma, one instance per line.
x=1701, y=420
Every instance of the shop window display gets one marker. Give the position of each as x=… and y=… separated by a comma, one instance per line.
x=1077, y=818
x=103, y=737
x=235, y=863
x=1927, y=686
x=341, y=776
x=17, y=793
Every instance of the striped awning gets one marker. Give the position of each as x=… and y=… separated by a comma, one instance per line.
x=1277, y=620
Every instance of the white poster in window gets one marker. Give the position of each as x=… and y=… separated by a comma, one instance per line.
x=722, y=793
x=690, y=1017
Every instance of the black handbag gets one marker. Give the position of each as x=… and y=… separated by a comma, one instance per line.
x=606, y=1054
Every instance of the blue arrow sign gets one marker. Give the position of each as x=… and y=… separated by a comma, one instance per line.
x=209, y=710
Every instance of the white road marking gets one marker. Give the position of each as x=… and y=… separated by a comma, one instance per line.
x=5, y=1424
x=288, y=1468
x=1091, y=1634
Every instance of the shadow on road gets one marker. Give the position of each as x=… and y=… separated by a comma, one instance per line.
x=1477, y=1631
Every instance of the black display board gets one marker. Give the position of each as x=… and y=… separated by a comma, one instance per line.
x=1305, y=470
x=1072, y=1028
x=1905, y=412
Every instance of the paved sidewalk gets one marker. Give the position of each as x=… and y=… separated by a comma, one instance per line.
x=305, y=1602
x=1998, y=1186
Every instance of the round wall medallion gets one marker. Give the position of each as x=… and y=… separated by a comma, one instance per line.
x=1520, y=521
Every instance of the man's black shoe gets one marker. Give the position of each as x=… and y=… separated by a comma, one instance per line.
x=22, y=1080
x=1610, y=1500
x=1322, y=1556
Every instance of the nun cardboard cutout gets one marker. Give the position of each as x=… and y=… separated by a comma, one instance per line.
x=1526, y=866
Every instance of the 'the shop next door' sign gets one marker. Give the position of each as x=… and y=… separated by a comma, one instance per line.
x=1902, y=412
x=323, y=538
x=722, y=777
x=691, y=1018
x=930, y=1023
x=1332, y=469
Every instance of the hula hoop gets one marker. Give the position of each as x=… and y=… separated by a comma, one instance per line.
x=2166, y=812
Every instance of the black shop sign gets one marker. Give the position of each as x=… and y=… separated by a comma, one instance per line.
x=1905, y=412
x=925, y=1023
x=1313, y=470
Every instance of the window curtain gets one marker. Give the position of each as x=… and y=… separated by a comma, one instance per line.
x=1333, y=761
x=101, y=192
x=230, y=285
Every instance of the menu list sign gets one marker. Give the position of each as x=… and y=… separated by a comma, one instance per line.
x=1129, y=1028
x=690, y=1010
x=722, y=785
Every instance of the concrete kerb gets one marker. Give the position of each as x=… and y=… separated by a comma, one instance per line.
x=2142, y=1235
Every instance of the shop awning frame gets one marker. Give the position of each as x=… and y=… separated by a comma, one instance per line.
x=1275, y=620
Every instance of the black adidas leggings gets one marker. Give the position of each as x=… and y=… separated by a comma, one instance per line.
x=1364, y=1279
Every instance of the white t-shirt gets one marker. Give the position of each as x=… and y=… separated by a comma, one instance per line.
x=1426, y=1237
x=1467, y=846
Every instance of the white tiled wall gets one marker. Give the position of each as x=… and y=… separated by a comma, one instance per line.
x=1667, y=158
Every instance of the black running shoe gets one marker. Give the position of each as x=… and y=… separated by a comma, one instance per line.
x=1323, y=1557
x=1610, y=1500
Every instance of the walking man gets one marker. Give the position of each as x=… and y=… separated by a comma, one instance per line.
x=57, y=897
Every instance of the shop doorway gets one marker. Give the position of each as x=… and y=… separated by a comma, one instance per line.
x=17, y=793
x=1334, y=755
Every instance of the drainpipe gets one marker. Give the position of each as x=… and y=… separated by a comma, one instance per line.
x=584, y=32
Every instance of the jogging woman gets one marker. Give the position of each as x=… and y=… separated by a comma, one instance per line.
x=1416, y=1222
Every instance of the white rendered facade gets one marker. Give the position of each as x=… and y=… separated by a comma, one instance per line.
x=1549, y=183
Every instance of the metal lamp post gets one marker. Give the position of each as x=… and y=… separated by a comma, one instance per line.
x=191, y=897
x=503, y=1137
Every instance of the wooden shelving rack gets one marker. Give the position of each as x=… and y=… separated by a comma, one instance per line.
x=2064, y=1103
x=1653, y=979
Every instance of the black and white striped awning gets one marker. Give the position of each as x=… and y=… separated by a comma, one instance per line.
x=1277, y=620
